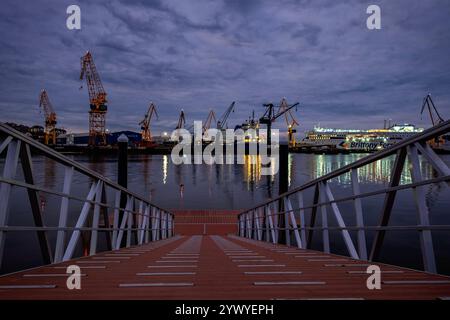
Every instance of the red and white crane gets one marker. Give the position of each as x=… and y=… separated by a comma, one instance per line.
x=97, y=100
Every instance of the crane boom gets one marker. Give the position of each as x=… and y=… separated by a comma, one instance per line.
x=50, y=118
x=209, y=119
x=181, y=121
x=291, y=122
x=97, y=100
x=428, y=102
x=222, y=123
x=270, y=116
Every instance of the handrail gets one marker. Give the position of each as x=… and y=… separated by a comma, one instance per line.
x=276, y=220
x=135, y=219
x=49, y=152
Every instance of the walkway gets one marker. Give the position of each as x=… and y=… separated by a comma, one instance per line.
x=220, y=267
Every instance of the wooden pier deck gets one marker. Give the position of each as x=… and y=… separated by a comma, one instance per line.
x=220, y=267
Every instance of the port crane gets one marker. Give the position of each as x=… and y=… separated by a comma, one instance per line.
x=270, y=116
x=428, y=102
x=207, y=124
x=181, y=121
x=438, y=142
x=222, y=122
x=145, y=125
x=50, y=118
x=291, y=122
x=97, y=99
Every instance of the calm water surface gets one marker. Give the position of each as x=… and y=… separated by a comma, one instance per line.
x=238, y=187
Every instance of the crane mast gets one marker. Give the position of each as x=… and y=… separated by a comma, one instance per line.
x=291, y=122
x=145, y=124
x=181, y=121
x=207, y=124
x=222, y=122
x=50, y=118
x=97, y=100
x=436, y=119
x=209, y=119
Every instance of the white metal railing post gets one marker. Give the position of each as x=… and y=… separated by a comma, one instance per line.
x=242, y=226
x=258, y=224
x=63, y=212
x=169, y=217
x=323, y=207
x=165, y=224
x=287, y=227
x=426, y=240
x=266, y=222
x=80, y=222
x=290, y=212
x=337, y=214
x=247, y=224
x=124, y=222
x=148, y=228
x=95, y=220
x=362, y=249
x=9, y=172
x=140, y=221
x=130, y=223
x=302, y=218
x=158, y=224
x=273, y=231
x=153, y=215
x=143, y=226
x=116, y=218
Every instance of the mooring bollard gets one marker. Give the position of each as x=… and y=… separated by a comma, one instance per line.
x=282, y=188
x=122, y=175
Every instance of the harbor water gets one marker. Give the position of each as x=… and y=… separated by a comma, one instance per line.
x=239, y=187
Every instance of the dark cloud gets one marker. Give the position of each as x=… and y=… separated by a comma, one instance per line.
x=202, y=54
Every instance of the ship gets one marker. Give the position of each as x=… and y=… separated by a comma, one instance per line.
x=357, y=140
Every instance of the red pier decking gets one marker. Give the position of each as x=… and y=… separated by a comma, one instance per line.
x=220, y=267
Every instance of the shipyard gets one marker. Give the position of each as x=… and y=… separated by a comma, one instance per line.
x=318, y=140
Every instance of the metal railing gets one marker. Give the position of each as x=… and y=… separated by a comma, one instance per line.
x=276, y=221
x=133, y=216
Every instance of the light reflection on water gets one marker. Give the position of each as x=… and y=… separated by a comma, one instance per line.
x=376, y=172
x=183, y=186
x=239, y=187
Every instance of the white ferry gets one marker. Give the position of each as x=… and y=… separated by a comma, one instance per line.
x=356, y=139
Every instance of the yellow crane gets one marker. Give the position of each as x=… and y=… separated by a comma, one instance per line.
x=50, y=118
x=291, y=122
x=145, y=125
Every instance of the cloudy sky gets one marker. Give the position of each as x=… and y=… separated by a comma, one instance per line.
x=202, y=54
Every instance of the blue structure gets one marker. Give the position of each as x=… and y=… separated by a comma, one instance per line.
x=111, y=138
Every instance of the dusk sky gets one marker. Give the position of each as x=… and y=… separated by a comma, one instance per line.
x=196, y=55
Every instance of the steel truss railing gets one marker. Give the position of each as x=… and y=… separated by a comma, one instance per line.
x=276, y=221
x=134, y=217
